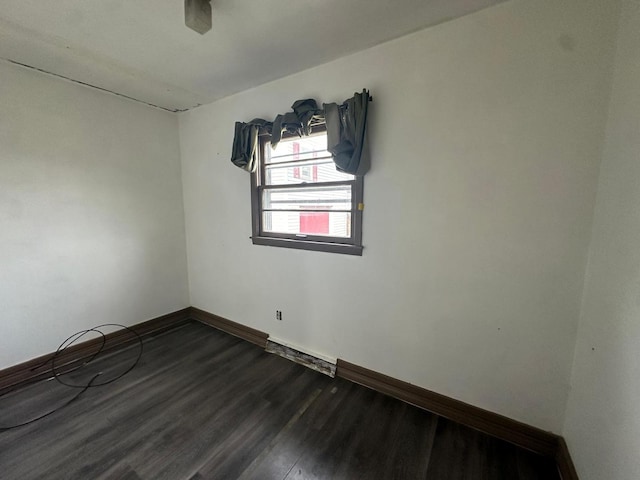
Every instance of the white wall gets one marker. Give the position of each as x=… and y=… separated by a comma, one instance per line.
x=485, y=138
x=603, y=415
x=91, y=217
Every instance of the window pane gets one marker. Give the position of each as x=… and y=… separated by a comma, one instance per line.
x=303, y=148
x=303, y=195
x=309, y=171
x=307, y=198
x=331, y=224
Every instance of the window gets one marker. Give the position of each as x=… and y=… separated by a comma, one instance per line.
x=300, y=200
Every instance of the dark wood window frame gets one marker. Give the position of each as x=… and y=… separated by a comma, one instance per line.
x=321, y=243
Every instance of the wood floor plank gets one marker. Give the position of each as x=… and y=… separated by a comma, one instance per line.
x=332, y=446
x=284, y=403
x=299, y=435
x=410, y=446
x=202, y=404
x=532, y=466
x=461, y=453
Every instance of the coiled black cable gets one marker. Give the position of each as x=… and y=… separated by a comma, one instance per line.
x=56, y=374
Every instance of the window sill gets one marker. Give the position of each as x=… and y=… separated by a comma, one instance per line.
x=309, y=245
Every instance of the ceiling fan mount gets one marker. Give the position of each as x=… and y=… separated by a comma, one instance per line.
x=197, y=15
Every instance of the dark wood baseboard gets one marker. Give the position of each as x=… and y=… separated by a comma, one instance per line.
x=237, y=329
x=37, y=368
x=521, y=434
x=565, y=464
x=532, y=438
x=499, y=426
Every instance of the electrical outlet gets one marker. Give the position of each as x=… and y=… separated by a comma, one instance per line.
x=278, y=315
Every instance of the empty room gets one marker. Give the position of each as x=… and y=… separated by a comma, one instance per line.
x=273, y=239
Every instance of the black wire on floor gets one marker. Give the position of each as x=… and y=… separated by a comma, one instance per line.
x=57, y=375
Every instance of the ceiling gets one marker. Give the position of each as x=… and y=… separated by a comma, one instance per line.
x=142, y=49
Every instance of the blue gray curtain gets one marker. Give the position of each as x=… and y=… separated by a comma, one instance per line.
x=346, y=128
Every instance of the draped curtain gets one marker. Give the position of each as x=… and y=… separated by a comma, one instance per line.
x=345, y=123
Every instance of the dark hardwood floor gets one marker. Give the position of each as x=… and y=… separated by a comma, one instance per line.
x=205, y=405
